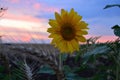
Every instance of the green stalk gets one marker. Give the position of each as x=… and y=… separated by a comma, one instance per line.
x=59, y=73
x=117, y=76
x=118, y=65
x=60, y=62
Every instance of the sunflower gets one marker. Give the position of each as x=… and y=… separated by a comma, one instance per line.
x=67, y=31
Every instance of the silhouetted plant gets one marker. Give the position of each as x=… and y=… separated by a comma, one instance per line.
x=112, y=5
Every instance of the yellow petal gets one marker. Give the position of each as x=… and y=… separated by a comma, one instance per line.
x=62, y=46
x=71, y=14
x=64, y=16
x=54, y=30
x=82, y=25
x=53, y=42
x=75, y=44
x=57, y=39
x=80, y=38
x=70, y=47
x=80, y=32
x=63, y=12
x=76, y=19
x=52, y=35
x=58, y=18
x=50, y=30
x=53, y=23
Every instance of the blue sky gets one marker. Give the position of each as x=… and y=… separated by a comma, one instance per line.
x=100, y=20
x=40, y=11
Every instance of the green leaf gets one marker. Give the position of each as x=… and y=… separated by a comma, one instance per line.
x=70, y=73
x=78, y=56
x=98, y=50
x=7, y=77
x=2, y=68
x=73, y=76
x=67, y=69
x=99, y=77
x=63, y=56
x=46, y=69
x=70, y=76
x=112, y=5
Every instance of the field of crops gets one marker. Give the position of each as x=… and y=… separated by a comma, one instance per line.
x=94, y=61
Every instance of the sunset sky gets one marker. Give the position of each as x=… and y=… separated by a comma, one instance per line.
x=27, y=20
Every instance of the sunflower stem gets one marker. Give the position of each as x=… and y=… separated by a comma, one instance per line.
x=60, y=62
x=117, y=71
x=60, y=74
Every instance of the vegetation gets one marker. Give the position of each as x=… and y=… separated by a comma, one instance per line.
x=94, y=61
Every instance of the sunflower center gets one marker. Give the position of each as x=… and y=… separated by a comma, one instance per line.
x=68, y=33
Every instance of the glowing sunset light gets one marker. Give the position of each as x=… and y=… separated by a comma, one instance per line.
x=21, y=24
x=107, y=38
x=27, y=20
x=23, y=37
x=103, y=38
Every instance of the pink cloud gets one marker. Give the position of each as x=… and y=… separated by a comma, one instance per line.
x=107, y=38
x=45, y=8
x=23, y=17
x=20, y=35
x=37, y=6
x=52, y=9
x=25, y=22
x=13, y=1
x=104, y=38
x=17, y=35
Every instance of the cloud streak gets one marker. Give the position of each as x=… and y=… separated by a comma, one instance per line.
x=17, y=35
x=30, y=17
x=22, y=28
x=104, y=38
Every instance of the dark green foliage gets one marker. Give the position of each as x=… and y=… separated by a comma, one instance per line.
x=116, y=29
x=112, y=5
x=46, y=69
x=96, y=61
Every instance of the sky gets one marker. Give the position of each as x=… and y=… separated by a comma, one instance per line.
x=27, y=20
